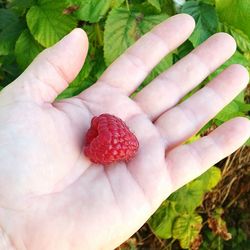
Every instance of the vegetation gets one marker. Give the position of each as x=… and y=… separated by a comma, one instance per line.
x=203, y=214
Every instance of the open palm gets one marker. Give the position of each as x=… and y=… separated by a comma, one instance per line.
x=52, y=196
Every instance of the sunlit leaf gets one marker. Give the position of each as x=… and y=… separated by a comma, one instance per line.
x=93, y=10
x=186, y=228
x=162, y=221
x=235, y=13
x=47, y=23
x=206, y=20
x=123, y=28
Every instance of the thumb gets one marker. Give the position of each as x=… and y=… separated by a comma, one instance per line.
x=52, y=70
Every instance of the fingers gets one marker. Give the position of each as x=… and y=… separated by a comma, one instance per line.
x=187, y=162
x=130, y=69
x=52, y=70
x=168, y=88
x=184, y=120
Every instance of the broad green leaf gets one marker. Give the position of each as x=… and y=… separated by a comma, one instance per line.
x=165, y=63
x=26, y=49
x=242, y=40
x=47, y=23
x=116, y=3
x=235, y=13
x=123, y=28
x=162, y=221
x=156, y=4
x=144, y=8
x=9, y=35
x=192, y=193
x=210, y=178
x=92, y=10
x=167, y=6
x=148, y=22
x=235, y=108
x=22, y=4
x=230, y=111
x=186, y=228
x=7, y=17
x=80, y=83
x=206, y=20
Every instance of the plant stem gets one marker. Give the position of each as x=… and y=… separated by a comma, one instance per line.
x=127, y=3
x=98, y=34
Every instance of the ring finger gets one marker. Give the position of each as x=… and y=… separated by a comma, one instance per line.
x=169, y=87
x=185, y=119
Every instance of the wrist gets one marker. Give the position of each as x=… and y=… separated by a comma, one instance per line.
x=5, y=242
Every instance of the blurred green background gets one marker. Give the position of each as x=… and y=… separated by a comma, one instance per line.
x=215, y=212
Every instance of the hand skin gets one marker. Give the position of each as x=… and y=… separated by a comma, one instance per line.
x=51, y=196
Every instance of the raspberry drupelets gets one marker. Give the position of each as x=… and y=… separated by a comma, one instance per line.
x=109, y=140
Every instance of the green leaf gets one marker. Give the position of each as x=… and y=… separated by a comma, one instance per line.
x=80, y=83
x=167, y=6
x=92, y=10
x=206, y=20
x=47, y=23
x=22, y=4
x=116, y=3
x=156, y=4
x=230, y=111
x=7, y=17
x=162, y=221
x=235, y=13
x=242, y=40
x=235, y=108
x=210, y=178
x=123, y=28
x=192, y=193
x=9, y=35
x=186, y=228
x=26, y=49
x=185, y=49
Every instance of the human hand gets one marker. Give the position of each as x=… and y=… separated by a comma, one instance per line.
x=51, y=196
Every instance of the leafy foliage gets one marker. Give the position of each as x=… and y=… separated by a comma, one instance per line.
x=47, y=23
x=206, y=20
x=177, y=217
x=29, y=26
x=123, y=27
x=27, y=43
x=92, y=10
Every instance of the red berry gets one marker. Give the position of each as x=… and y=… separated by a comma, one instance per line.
x=109, y=140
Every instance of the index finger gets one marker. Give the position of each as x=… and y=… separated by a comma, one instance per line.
x=132, y=67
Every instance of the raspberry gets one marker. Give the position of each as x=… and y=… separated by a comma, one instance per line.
x=109, y=140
